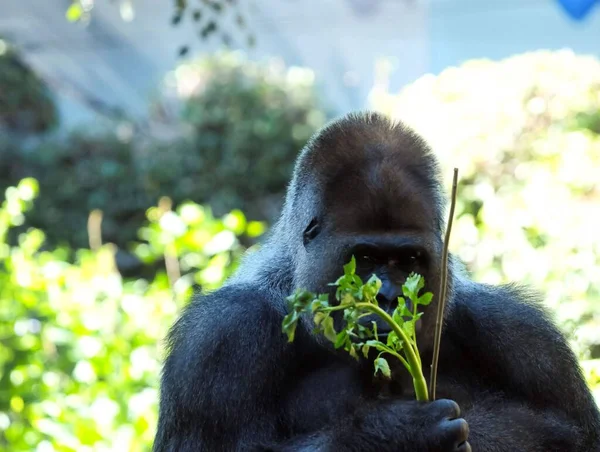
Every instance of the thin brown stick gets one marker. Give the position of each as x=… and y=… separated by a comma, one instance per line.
x=94, y=227
x=442, y=292
x=171, y=261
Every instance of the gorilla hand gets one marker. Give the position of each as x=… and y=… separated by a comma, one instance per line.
x=423, y=426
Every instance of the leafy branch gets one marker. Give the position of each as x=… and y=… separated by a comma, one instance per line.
x=356, y=301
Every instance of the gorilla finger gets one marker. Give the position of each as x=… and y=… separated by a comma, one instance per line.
x=447, y=408
x=460, y=427
x=455, y=431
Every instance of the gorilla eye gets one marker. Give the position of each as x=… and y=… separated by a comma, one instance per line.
x=410, y=258
x=311, y=231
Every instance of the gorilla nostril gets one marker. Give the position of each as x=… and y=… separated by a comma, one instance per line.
x=386, y=301
x=311, y=231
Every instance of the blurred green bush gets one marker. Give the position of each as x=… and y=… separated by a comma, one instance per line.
x=246, y=122
x=80, y=346
x=78, y=174
x=243, y=122
x=525, y=135
x=26, y=104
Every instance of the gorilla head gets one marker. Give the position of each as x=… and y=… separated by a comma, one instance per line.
x=368, y=188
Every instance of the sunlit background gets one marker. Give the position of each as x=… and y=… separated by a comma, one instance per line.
x=145, y=145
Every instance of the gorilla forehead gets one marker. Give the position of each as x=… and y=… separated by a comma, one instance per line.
x=381, y=197
x=372, y=173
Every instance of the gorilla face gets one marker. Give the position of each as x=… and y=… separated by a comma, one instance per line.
x=391, y=255
x=384, y=219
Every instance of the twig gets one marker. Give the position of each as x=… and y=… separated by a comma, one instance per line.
x=94, y=227
x=171, y=261
x=442, y=292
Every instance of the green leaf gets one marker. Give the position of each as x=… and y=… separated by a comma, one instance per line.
x=352, y=352
x=363, y=331
x=319, y=317
x=409, y=328
x=289, y=325
x=347, y=298
x=373, y=343
x=289, y=319
x=404, y=311
x=74, y=12
x=341, y=339
x=371, y=289
x=350, y=317
x=380, y=346
x=337, y=282
x=322, y=302
x=360, y=293
x=350, y=267
x=394, y=342
x=382, y=366
x=412, y=285
x=365, y=350
x=396, y=317
x=300, y=300
x=328, y=329
x=356, y=281
x=425, y=299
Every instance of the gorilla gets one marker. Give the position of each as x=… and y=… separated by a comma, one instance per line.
x=367, y=187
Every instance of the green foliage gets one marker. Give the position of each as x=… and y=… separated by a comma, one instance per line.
x=26, y=105
x=85, y=172
x=81, y=346
x=77, y=175
x=206, y=248
x=357, y=300
x=525, y=135
x=247, y=122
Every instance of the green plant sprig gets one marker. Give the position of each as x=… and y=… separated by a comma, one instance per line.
x=357, y=300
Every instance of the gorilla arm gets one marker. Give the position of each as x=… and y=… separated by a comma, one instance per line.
x=532, y=395
x=222, y=374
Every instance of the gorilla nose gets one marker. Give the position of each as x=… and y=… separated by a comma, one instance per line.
x=386, y=301
x=388, y=295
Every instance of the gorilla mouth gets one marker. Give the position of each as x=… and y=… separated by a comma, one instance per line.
x=383, y=328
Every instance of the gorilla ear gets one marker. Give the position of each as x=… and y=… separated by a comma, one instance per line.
x=311, y=231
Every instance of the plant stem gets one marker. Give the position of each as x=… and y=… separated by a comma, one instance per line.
x=415, y=334
x=411, y=355
x=400, y=357
x=442, y=292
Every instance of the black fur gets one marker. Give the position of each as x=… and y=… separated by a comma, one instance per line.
x=232, y=382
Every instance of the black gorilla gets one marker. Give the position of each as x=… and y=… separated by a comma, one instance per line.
x=366, y=187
